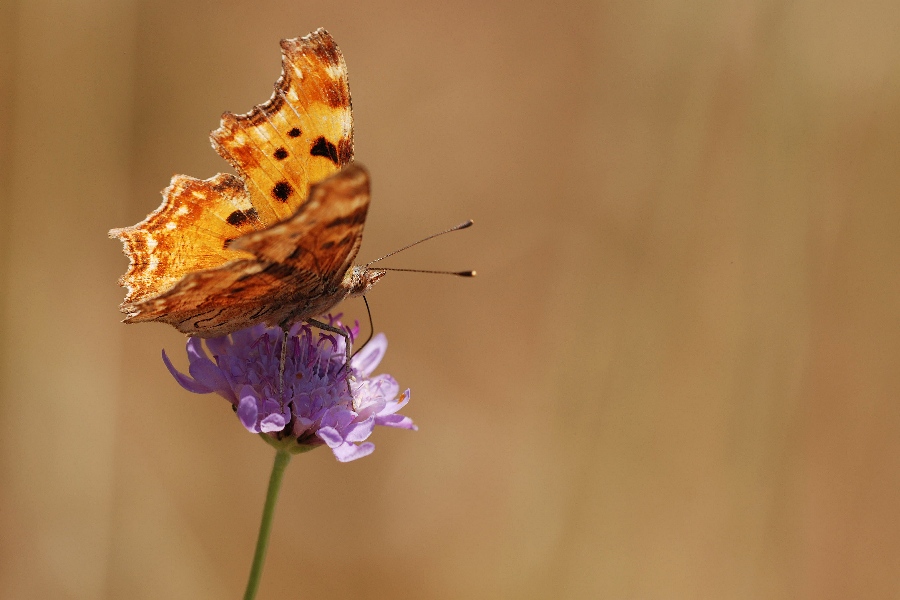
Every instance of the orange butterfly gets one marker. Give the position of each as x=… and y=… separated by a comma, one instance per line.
x=271, y=245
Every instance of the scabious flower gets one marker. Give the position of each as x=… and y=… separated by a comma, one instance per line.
x=315, y=406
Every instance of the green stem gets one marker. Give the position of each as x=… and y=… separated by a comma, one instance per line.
x=282, y=459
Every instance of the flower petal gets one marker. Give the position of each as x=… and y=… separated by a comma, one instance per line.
x=385, y=385
x=218, y=345
x=348, y=452
x=385, y=413
x=206, y=372
x=247, y=411
x=397, y=421
x=330, y=436
x=338, y=417
x=370, y=355
x=359, y=431
x=393, y=407
x=183, y=380
x=195, y=349
x=273, y=422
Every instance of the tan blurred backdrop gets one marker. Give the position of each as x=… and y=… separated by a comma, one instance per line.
x=676, y=375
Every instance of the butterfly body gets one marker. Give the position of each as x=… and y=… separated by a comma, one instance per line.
x=276, y=243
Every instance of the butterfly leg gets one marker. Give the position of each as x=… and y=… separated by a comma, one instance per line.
x=348, y=343
x=348, y=346
x=284, y=342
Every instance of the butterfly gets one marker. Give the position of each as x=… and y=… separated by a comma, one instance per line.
x=275, y=244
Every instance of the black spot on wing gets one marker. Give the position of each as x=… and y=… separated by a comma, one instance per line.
x=295, y=132
x=237, y=218
x=280, y=154
x=282, y=191
x=240, y=217
x=322, y=147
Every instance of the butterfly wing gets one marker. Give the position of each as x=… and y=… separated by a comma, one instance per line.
x=303, y=134
x=187, y=233
x=296, y=271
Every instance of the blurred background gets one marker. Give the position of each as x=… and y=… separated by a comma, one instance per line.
x=675, y=376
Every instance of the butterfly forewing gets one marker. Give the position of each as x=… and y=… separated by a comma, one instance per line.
x=189, y=232
x=303, y=134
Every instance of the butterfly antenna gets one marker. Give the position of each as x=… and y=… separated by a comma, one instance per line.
x=468, y=223
x=457, y=273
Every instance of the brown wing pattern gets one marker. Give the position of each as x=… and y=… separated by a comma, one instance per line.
x=303, y=134
x=296, y=271
x=222, y=300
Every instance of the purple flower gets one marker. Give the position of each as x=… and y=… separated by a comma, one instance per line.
x=316, y=406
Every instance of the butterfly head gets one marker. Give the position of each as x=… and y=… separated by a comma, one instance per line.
x=361, y=279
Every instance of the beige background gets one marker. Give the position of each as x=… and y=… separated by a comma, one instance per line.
x=676, y=375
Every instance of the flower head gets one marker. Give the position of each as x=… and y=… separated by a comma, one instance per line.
x=313, y=405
